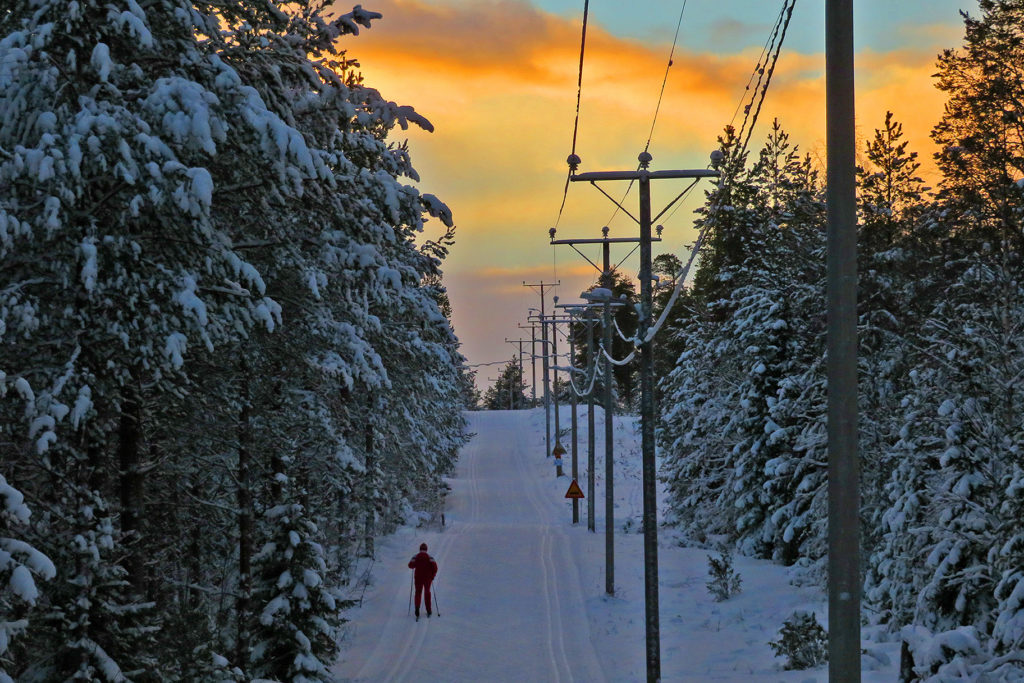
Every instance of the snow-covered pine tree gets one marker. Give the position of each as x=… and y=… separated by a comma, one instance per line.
x=349, y=282
x=20, y=566
x=185, y=178
x=898, y=252
x=971, y=347
x=969, y=532
x=507, y=393
x=295, y=637
x=695, y=432
x=100, y=630
x=116, y=125
x=737, y=404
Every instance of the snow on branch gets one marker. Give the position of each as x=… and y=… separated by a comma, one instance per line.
x=348, y=24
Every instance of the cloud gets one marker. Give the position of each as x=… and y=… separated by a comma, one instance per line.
x=498, y=80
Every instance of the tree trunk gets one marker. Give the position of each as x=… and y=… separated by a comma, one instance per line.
x=245, y=526
x=368, y=549
x=131, y=484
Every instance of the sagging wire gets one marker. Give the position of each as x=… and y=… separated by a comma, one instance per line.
x=657, y=108
x=593, y=372
x=480, y=365
x=618, y=331
x=777, y=38
x=784, y=17
x=772, y=47
x=664, y=80
x=576, y=122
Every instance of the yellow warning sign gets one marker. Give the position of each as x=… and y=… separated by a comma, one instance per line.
x=574, y=490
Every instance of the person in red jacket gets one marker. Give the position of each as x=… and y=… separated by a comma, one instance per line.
x=424, y=570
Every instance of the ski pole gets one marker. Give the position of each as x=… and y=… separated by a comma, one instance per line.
x=437, y=605
x=409, y=611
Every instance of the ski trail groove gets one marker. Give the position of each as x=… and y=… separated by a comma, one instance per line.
x=554, y=619
x=517, y=610
x=408, y=653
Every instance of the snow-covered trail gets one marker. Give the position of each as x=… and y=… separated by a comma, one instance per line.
x=522, y=589
x=510, y=594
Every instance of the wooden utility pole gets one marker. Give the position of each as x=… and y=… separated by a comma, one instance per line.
x=609, y=408
x=533, y=361
x=545, y=364
x=643, y=178
x=520, y=343
x=843, y=466
x=587, y=310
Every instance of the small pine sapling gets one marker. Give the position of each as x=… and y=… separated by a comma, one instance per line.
x=803, y=641
x=725, y=581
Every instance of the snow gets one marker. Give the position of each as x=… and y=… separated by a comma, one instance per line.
x=83, y=404
x=22, y=584
x=100, y=61
x=521, y=589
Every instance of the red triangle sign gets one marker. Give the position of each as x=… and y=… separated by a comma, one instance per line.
x=574, y=490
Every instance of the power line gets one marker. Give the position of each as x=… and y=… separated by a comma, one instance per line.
x=776, y=40
x=657, y=108
x=764, y=70
x=576, y=122
x=762, y=90
x=664, y=80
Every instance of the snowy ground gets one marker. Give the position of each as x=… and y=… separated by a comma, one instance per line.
x=521, y=590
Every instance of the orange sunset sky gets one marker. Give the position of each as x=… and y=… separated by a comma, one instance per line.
x=497, y=78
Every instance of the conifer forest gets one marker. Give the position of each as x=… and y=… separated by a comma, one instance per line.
x=226, y=357
x=227, y=361
x=941, y=358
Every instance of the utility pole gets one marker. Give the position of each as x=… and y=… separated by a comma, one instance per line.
x=841, y=275
x=609, y=438
x=553, y=335
x=572, y=398
x=544, y=339
x=643, y=177
x=572, y=402
x=590, y=423
x=609, y=428
x=558, y=451
x=586, y=310
x=533, y=360
x=520, y=343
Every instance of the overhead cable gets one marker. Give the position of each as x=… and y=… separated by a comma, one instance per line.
x=579, y=93
x=657, y=108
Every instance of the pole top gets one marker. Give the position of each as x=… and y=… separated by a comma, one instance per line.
x=645, y=159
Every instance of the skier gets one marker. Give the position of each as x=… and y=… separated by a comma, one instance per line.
x=425, y=569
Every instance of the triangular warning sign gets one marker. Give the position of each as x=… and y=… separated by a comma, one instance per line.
x=574, y=490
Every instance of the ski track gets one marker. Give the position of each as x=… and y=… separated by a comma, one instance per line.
x=508, y=556
x=553, y=613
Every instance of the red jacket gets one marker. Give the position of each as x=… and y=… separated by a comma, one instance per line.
x=426, y=568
